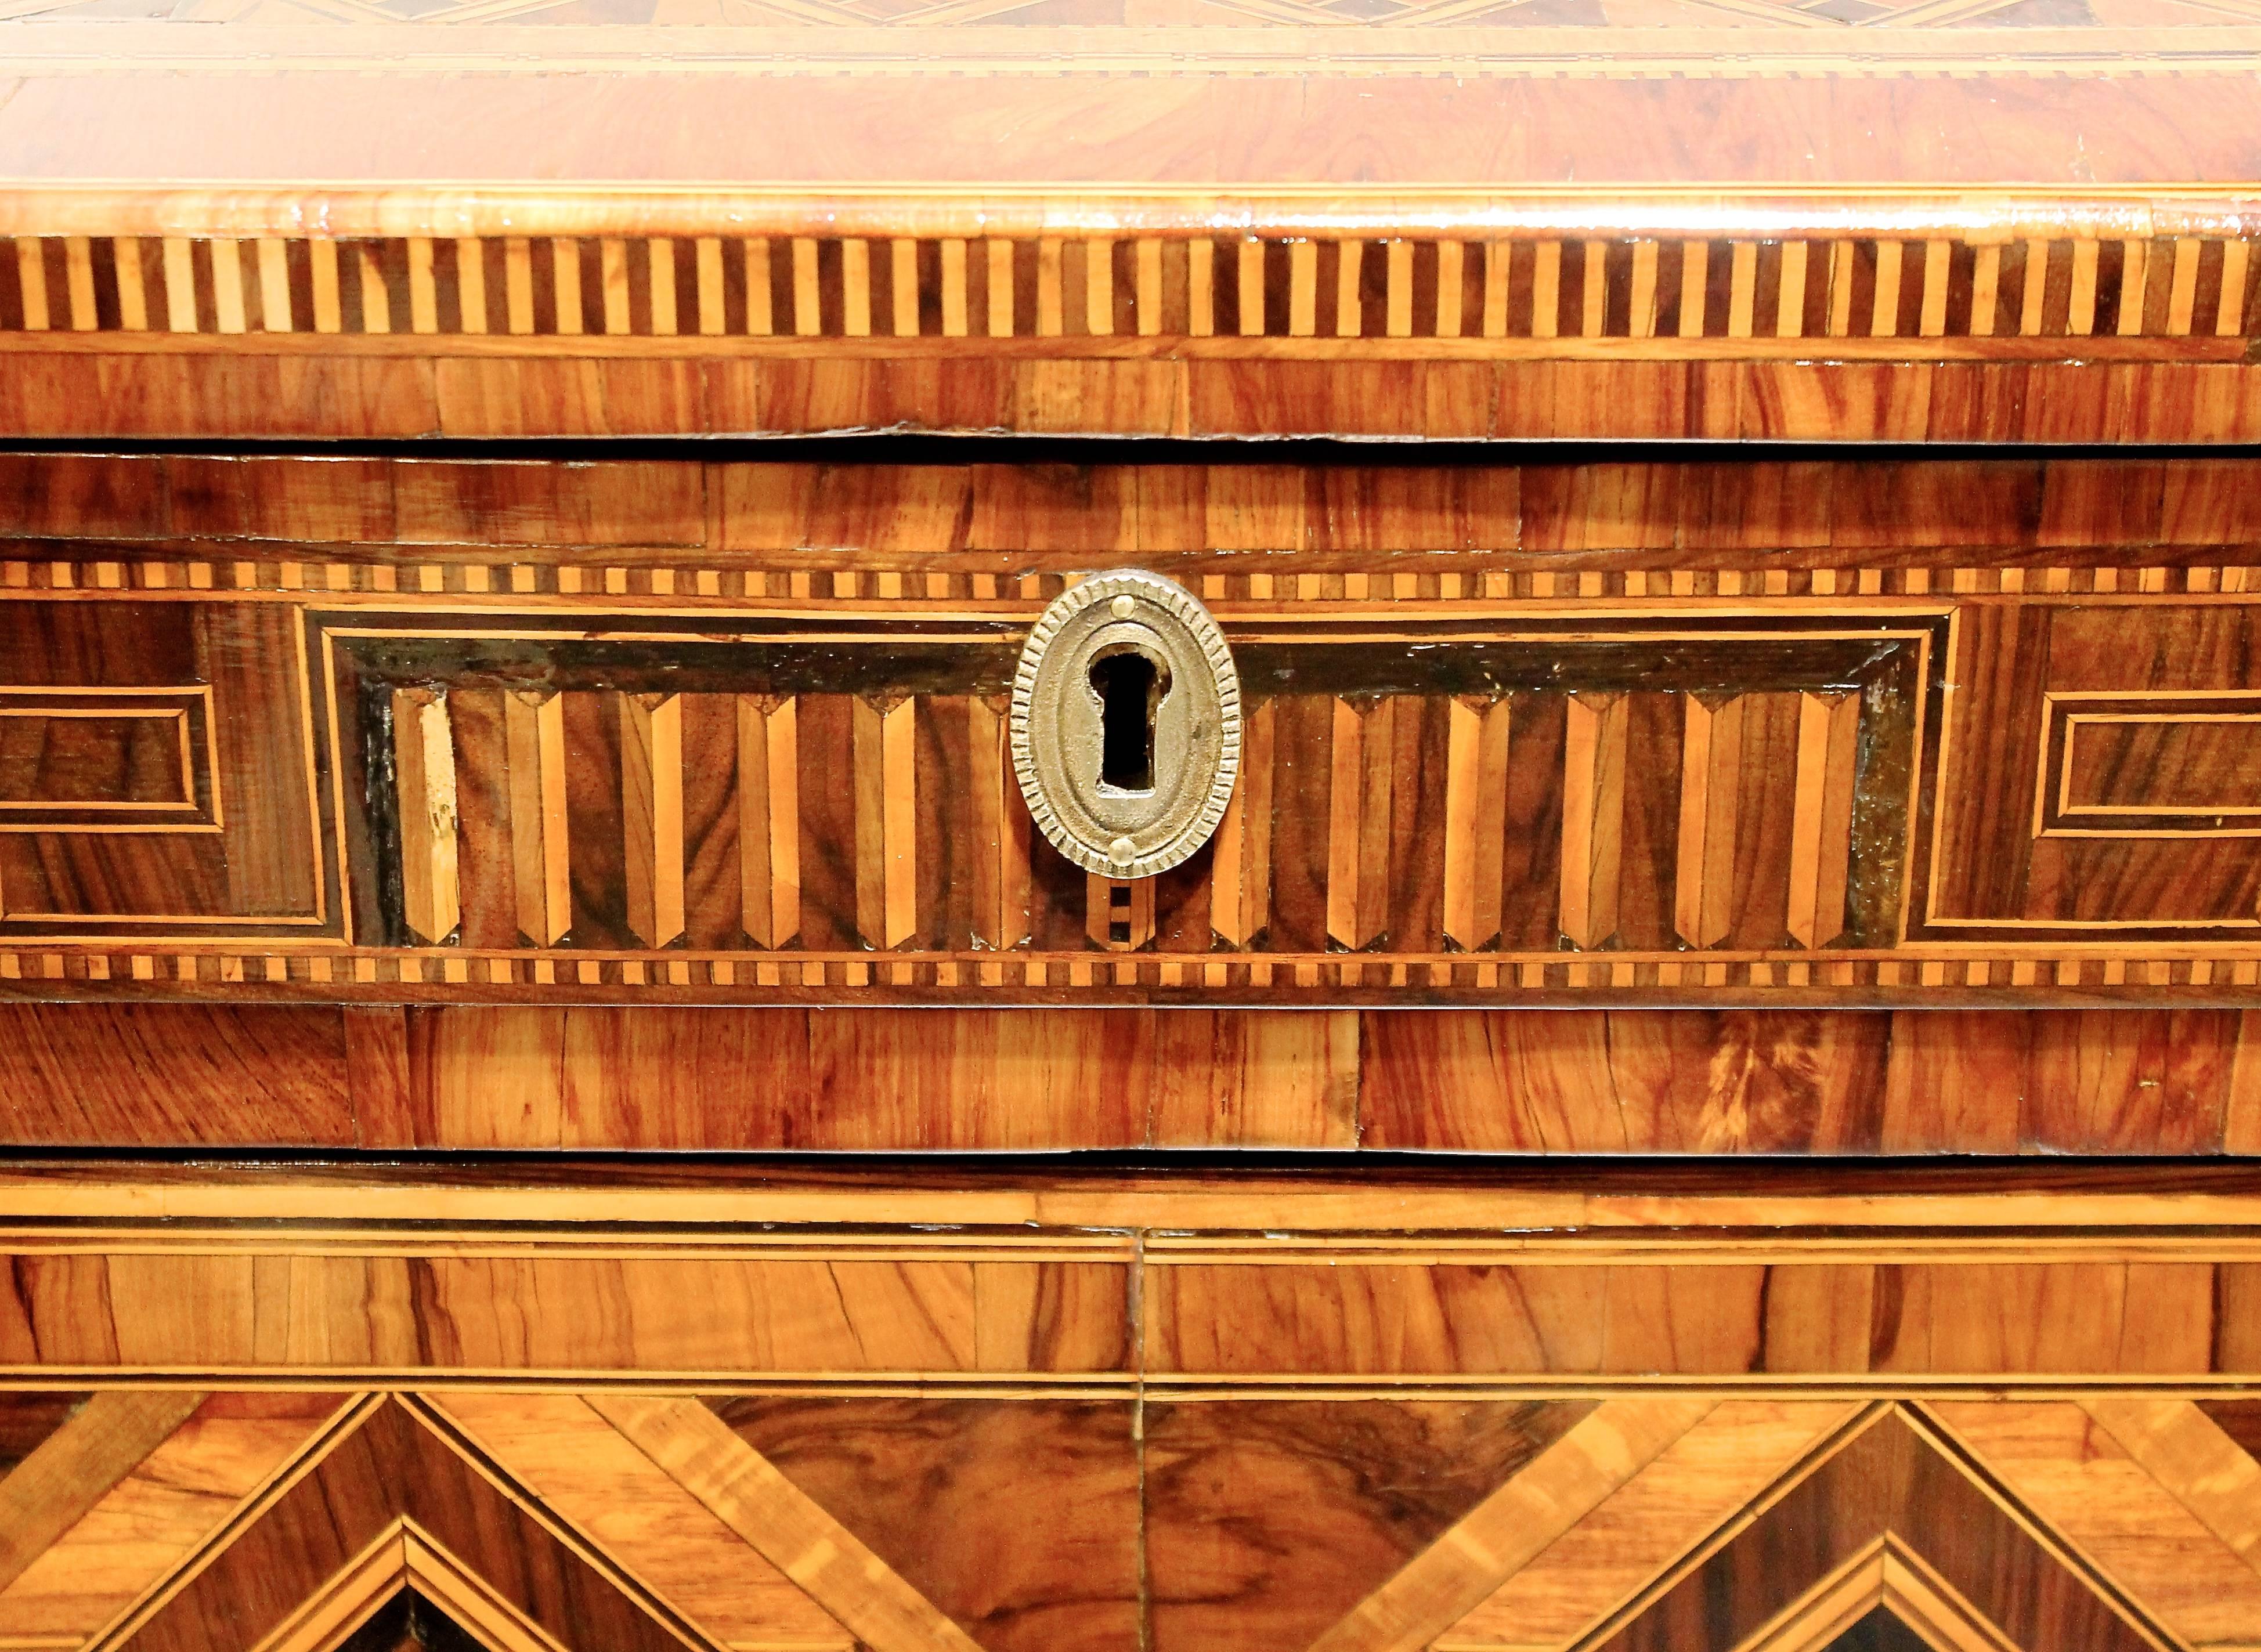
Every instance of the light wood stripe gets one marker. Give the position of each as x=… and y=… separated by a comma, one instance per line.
x=133, y=290
x=2229, y=312
x=1546, y=290
x=1643, y=322
x=62, y=1477
x=1885, y=310
x=471, y=284
x=1498, y=264
x=707, y=257
x=1240, y=886
x=1475, y=821
x=1694, y=274
x=32, y=283
x=1712, y=750
x=1345, y=795
x=1302, y=289
x=953, y=290
x=749, y=1496
x=1687, y=1500
x=1742, y=289
x=659, y=276
x=768, y=819
x=761, y=301
x=423, y=781
x=1985, y=290
x=58, y=278
x=1001, y=827
x=1350, y=282
x=2201, y=1466
x=533, y=746
x=423, y=289
x=78, y=280
x=228, y=314
x=1594, y=745
x=1397, y=278
x=1938, y=262
x=1556, y=1489
x=882, y=739
x=808, y=295
x=2080, y=316
x=2182, y=294
x=651, y=812
x=1821, y=816
x=1000, y=289
x=585, y=1471
x=1790, y=303
x=898, y=754
x=1359, y=822
x=2135, y=283
x=566, y=286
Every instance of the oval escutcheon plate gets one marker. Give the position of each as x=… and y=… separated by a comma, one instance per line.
x=1126, y=723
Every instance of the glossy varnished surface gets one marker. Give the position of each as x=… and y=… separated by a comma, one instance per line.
x=1963, y=733
x=1633, y=1409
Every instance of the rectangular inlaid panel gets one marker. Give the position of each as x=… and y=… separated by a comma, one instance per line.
x=156, y=769
x=1839, y=732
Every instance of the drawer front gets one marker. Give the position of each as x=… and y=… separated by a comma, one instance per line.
x=1940, y=732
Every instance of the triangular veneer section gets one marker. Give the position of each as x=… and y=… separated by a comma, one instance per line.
x=1894, y=1481
x=385, y=1464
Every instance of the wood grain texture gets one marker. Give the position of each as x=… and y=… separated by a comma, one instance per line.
x=1665, y=1509
x=1390, y=1318
x=69, y=395
x=588, y=1472
x=1267, y=1522
x=2128, y=1481
x=71, y=1470
x=1594, y=1456
x=1890, y=1479
x=939, y=1313
x=385, y=1464
x=156, y=1516
x=200, y=1075
x=2171, y=1082
x=747, y=1493
x=1020, y=1520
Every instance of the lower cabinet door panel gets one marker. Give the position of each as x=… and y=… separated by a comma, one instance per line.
x=1019, y=1408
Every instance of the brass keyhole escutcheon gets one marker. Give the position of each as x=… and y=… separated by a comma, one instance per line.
x=1126, y=723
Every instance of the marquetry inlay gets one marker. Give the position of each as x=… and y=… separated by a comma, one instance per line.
x=1635, y=293
x=1942, y=731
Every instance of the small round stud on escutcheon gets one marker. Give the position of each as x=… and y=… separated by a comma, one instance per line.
x=1126, y=723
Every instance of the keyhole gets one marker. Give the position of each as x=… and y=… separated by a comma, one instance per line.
x=1129, y=685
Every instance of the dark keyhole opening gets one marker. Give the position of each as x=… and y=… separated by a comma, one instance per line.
x=1129, y=685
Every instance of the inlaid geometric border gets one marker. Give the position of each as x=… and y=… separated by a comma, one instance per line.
x=2035, y=298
